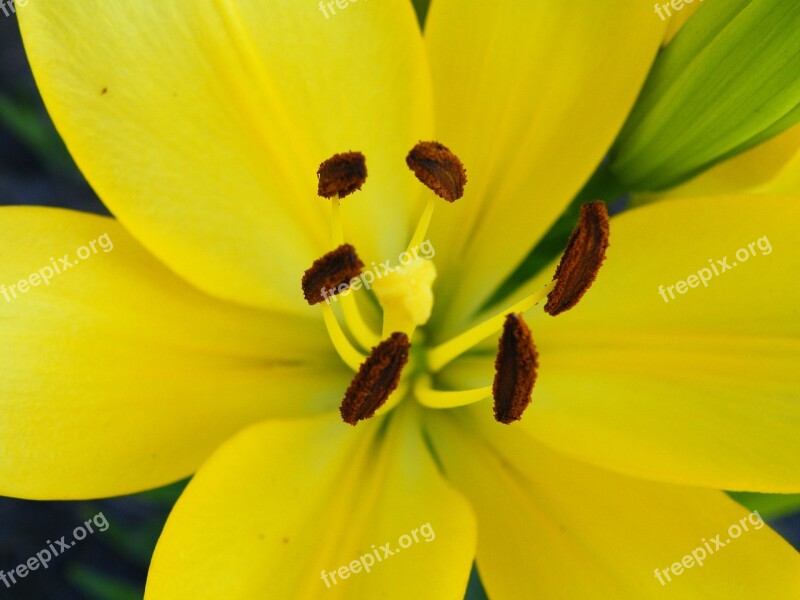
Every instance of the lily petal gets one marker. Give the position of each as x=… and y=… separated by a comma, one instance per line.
x=283, y=502
x=201, y=125
x=699, y=390
x=506, y=119
x=598, y=534
x=118, y=376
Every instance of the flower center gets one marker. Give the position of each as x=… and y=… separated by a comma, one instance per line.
x=405, y=294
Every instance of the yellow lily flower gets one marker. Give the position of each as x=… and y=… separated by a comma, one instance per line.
x=190, y=346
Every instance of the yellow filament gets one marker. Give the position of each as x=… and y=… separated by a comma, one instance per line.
x=361, y=331
x=337, y=231
x=352, y=315
x=394, y=399
x=427, y=396
x=422, y=226
x=351, y=357
x=441, y=355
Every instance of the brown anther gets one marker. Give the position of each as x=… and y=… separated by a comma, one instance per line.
x=515, y=370
x=342, y=174
x=331, y=274
x=582, y=259
x=376, y=379
x=439, y=169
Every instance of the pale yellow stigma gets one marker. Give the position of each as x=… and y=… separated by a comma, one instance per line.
x=406, y=296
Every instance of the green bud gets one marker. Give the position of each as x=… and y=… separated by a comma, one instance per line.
x=729, y=81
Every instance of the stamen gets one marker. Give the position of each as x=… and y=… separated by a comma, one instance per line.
x=355, y=322
x=444, y=353
x=376, y=379
x=422, y=225
x=331, y=274
x=342, y=174
x=439, y=169
x=582, y=259
x=337, y=229
x=395, y=398
x=515, y=368
x=427, y=396
x=349, y=355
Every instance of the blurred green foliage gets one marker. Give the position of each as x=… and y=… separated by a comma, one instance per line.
x=21, y=119
x=97, y=586
x=769, y=506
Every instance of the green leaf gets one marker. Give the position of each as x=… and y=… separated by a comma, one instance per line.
x=164, y=496
x=135, y=543
x=728, y=81
x=769, y=506
x=37, y=133
x=421, y=6
x=98, y=586
x=475, y=589
x=136, y=540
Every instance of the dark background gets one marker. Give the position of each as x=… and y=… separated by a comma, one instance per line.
x=36, y=169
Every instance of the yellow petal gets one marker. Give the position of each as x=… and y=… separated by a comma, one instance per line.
x=551, y=527
x=201, y=124
x=529, y=95
x=701, y=389
x=118, y=376
x=284, y=501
